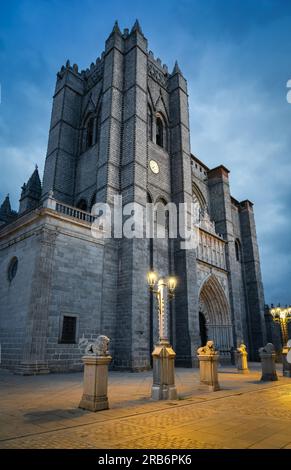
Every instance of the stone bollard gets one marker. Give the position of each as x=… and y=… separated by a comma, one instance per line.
x=242, y=359
x=268, y=358
x=208, y=364
x=286, y=353
x=164, y=387
x=96, y=361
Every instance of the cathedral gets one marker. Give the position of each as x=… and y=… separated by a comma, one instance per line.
x=121, y=128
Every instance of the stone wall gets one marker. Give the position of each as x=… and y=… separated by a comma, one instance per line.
x=59, y=273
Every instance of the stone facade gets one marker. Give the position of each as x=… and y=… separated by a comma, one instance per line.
x=108, y=123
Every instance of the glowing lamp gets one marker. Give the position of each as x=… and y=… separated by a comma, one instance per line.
x=172, y=283
x=152, y=279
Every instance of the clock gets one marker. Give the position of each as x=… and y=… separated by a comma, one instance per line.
x=154, y=167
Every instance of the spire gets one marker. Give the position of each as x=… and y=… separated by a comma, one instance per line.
x=176, y=69
x=6, y=213
x=116, y=28
x=5, y=208
x=31, y=192
x=34, y=183
x=136, y=28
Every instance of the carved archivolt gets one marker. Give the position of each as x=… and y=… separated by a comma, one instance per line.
x=213, y=300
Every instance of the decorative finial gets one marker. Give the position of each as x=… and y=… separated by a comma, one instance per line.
x=116, y=28
x=136, y=27
x=176, y=69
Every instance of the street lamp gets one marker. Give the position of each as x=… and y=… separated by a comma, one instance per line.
x=163, y=387
x=163, y=289
x=282, y=315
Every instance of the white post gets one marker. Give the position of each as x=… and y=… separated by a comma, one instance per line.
x=163, y=310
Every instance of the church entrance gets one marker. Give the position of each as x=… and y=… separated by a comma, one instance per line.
x=214, y=317
x=202, y=329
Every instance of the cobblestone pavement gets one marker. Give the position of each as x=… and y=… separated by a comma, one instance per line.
x=42, y=412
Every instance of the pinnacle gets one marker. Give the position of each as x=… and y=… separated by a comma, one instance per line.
x=5, y=206
x=116, y=28
x=176, y=69
x=136, y=27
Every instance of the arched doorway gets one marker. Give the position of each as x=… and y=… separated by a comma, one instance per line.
x=214, y=317
x=203, y=329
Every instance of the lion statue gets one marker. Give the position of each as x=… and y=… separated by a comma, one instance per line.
x=242, y=348
x=99, y=347
x=208, y=349
x=268, y=349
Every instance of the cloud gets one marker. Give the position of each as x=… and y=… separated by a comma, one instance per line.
x=236, y=57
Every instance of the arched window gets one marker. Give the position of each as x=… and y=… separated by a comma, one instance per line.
x=90, y=133
x=150, y=124
x=82, y=205
x=159, y=132
x=237, y=250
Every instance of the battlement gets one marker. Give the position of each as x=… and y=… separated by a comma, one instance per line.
x=157, y=69
x=158, y=63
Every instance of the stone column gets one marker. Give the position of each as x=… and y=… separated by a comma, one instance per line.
x=286, y=359
x=34, y=355
x=268, y=358
x=186, y=295
x=242, y=359
x=208, y=363
x=95, y=385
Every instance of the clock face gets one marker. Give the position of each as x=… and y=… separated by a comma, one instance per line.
x=154, y=167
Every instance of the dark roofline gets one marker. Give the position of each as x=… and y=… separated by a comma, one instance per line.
x=218, y=167
x=199, y=162
x=234, y=201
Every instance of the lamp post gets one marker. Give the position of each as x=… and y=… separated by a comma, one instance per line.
x=163, y=354
x=282, y=315
x=164, y=291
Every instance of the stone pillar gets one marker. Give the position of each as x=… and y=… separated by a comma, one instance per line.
x=221, y=212
x=50, y=202
x=95, y=383
x=268, y=359
x=186, y=295
x=164, y=372
x=286, y=359
x=253, y=279
x=242, y=359
x=34, y=354
x=208, y=363
x=96, y=363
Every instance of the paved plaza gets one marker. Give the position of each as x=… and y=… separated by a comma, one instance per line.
x=42, y=412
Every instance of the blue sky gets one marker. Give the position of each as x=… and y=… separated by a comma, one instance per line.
x=236, y=56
